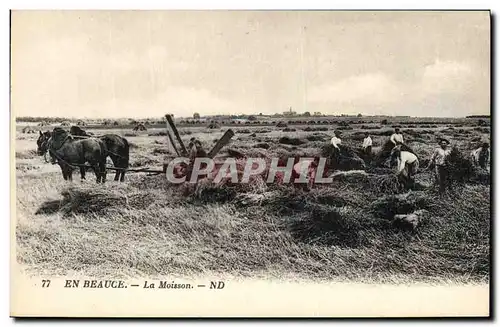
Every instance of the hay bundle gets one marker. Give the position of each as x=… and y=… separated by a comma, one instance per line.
x=255, y=199
x=281, y=124
x=330, y=226
x=327, y=196
x=291, y=140
x=288, y=129
x=481, y=176
x=389, y=206
x=159, y=133
x=213, y=125
x=460, y=168
x=160, y=150
x=386, y=184
x=89, y=199
x=412, y=220
x=206, y=190
x=262, y=145
x=140, y=127
x=28, y=130
x=379, y=170
x=317, y=137
x=357, y=136
x=347, y=159
x=151, y=182
x=235, y=153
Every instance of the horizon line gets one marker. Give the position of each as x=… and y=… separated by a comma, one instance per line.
x=246, y=115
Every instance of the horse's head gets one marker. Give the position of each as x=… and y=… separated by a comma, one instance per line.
x=58, y=138
x=42, y=142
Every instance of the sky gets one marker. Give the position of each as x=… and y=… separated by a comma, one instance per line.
x=137, y=64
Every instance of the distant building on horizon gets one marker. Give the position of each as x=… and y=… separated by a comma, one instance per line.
x=289, y=113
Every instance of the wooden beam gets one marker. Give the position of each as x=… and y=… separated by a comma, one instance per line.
x=176, y=133
x=132, y=170
x=172, y=142
x=220, y=143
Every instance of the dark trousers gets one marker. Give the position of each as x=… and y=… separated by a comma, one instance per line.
x=442, y=177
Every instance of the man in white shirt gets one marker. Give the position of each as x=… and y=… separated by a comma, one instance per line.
x=397, y=137
x=439, y=160
x=336, y=141
x=407, y=162
x=367, y=144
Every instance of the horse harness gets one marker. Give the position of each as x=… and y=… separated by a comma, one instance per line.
x=64, y=141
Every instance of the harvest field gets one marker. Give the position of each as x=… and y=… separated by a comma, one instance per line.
x=339, y=231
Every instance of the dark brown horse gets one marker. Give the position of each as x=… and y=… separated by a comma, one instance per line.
x=71, y=153
x=117, y=149
x=42, y=142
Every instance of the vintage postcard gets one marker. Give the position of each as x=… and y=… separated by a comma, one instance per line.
x=278, y=163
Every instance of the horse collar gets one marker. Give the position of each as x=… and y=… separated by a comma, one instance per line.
x=62, y=143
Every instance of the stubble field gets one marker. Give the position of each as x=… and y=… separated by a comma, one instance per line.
x=339, y=231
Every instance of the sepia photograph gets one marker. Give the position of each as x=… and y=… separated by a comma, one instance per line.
x=258, y=163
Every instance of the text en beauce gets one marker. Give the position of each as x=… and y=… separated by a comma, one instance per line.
x=94, y=283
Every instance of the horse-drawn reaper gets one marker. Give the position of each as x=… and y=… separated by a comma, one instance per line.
x=81, y=150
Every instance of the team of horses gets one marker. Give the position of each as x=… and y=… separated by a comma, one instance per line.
x=74, y=148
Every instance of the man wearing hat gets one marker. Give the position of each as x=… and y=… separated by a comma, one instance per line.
x=439, y=161
x=397, y=137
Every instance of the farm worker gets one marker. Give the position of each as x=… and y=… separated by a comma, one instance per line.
x=196, y=151
x=439, y=160
x=336, y=141
x=397, y=137
x=406, y=162
x=305, y=168
x=367, y=143
x=481, y=156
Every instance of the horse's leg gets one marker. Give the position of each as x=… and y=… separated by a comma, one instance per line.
x=65, y=171
x=65, y=175
x=102, y=168
x=122, y=164
x=82, y=173
x=97, y=172
x=95, y=167
x=116, y=163
x=122, y=175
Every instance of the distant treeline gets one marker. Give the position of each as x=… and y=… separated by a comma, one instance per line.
x=120, y=121
x=478, y=116
x=42, y=119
